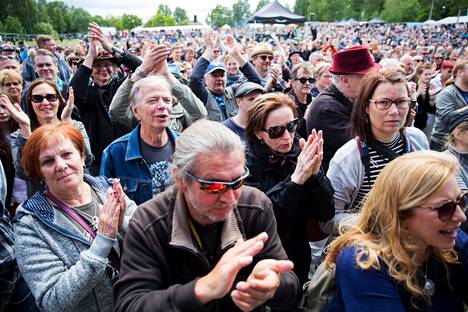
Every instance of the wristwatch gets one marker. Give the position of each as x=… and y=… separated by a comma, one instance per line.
x=140, y=73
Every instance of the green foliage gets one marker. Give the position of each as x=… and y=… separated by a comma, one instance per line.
x=261, y=4
x=12, y=24
x=397, y=11
x=163, y=17
x=79, y=20
x=181, y=16
x=45, y=28
x=220, y=16
x=300, y=7
x=240, y=12
x=130, y=21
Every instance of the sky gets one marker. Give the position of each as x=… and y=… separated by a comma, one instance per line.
x=147, y=8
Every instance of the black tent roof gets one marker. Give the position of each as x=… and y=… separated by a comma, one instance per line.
x=275, y=13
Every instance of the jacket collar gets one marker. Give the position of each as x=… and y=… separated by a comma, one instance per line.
x=39, y=206
x=180, y=232
x=133, y=146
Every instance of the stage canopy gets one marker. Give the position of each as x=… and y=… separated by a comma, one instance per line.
x=275, y=13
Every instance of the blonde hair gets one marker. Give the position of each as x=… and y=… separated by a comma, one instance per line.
x=405, y=183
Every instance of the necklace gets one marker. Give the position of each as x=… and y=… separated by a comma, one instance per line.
x=429, y=286
x=94, y=218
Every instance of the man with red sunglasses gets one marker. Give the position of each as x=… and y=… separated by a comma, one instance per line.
x=208, y=243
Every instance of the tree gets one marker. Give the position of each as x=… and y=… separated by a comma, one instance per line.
x=219, y=16
x=79, y=20
x=130, y=21
x=261, y=4
x=25, y=11
x=45, y=28
x=12, y=24
x=59, y=18
x=301, y=6
x=165, y=10
x=181, y=17
x=401, y=11
x=114, y=21
x=240, y=12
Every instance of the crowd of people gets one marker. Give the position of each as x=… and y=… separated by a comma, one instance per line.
x=207, y=171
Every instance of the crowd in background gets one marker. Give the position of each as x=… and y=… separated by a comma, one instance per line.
x=322, y=112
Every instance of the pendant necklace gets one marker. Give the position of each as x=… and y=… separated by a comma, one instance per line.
x=429, y=286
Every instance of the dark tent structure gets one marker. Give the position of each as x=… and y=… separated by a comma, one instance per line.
x=275, y=13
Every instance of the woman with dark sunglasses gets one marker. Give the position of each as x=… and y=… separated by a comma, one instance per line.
x=287, y=168
x=378, y=121
x=407, y=251
x=44, y=105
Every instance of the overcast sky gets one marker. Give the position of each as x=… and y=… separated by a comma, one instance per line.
x=147, y=8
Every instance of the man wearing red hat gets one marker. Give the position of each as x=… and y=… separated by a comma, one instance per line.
x=331, y=110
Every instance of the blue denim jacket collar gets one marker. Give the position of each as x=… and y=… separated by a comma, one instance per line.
x=133, y=146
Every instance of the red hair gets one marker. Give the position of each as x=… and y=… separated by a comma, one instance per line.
x=41, y=137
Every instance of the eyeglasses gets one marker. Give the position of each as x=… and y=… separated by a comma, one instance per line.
x=9, y=57
x=418, y=61
x=277, y=131
x=304, y=80
x=216, y=51
x=36, y=98
x=219, y=187
x=438, y=58
x=75, y=62
x=265, y=57
x=384, y=104
x=447, y=210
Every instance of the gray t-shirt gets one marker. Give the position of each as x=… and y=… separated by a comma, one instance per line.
x=159, y=161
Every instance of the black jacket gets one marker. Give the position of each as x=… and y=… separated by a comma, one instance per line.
x=93, y=103
x=293, y=204
x=331, y=113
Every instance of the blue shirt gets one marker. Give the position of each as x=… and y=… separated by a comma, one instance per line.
x=374, y=290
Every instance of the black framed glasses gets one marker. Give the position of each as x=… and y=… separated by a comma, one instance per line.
x=7, y=57
x=219, y=187
x=384, y=104
x=36, y=98
x=446, y=211
x=277, y=131
x=266, y=57
x=304, y=80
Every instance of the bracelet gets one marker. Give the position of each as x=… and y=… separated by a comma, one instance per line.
x=140, y=73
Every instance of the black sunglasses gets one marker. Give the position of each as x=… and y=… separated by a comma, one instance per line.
x=265, y=57
x=219, y=187
x=447, y=210
x=277, y=131
x=36, y=98
x=9, y=57
x=304, y=80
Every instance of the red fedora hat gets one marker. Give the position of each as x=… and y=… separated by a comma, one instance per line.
x=355, y=60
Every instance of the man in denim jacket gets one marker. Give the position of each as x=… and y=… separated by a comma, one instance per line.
x=143, y=157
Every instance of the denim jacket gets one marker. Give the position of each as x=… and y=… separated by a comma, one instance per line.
x=122, y=159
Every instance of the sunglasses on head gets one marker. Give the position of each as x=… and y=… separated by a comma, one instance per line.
x=304, y=80
x=266, y=57
x=36, y=98
x=447, y=210
x=277, y=131
x=219, y=187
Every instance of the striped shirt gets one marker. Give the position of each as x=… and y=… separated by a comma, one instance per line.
x=376, y=164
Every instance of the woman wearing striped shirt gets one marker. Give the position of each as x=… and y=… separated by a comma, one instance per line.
x=378, y=121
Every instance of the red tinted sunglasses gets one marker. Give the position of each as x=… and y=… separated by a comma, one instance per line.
x=447, y=210
x=219, y=187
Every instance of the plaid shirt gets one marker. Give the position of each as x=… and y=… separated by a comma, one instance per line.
x=9, y=272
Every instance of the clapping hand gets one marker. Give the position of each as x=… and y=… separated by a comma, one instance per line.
x=261, y=284
x=219, y=281
x=18, y=115
x=310, y=158
x=68, y=109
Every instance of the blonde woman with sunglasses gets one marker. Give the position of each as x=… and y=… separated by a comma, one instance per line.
x=406, y=252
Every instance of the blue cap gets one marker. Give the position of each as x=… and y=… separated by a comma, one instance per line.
x=213, y=67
